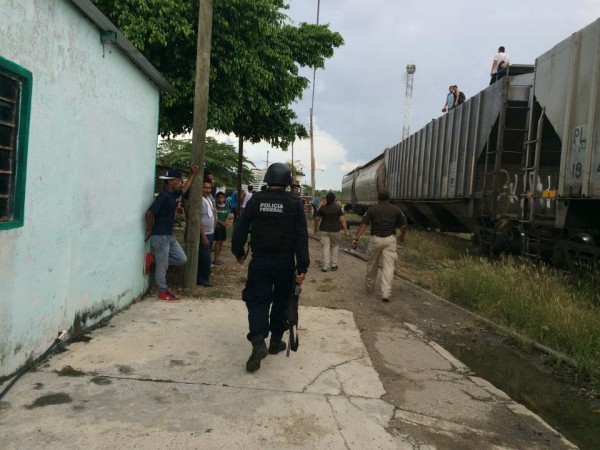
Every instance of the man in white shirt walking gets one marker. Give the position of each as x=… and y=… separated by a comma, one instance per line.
x=499, y=65
x=247, y=197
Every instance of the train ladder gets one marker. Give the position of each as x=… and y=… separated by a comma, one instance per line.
x=531, y=164
x=521, y=127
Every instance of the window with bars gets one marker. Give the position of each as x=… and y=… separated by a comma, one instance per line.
x=15, y=103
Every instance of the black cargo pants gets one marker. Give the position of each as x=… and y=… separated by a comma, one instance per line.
x=270, y=280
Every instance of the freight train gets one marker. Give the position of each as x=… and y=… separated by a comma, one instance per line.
x=518, y=164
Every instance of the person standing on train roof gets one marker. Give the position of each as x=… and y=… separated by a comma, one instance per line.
x=384, y=219
x=450, y=98
x=500, y=65
x=459, y=96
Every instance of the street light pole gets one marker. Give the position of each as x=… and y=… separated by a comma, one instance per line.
x=312, y=150
x=312, y=105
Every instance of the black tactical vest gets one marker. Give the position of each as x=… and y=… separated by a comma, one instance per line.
x=273, y=223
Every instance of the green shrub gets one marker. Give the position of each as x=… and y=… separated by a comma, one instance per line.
x=541, y=303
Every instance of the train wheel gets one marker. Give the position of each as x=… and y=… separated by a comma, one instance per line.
x=516, y=245
x=559, y=257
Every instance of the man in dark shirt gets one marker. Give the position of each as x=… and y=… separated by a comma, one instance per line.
x=278, y=230
x=160, y=219
x=295, y=189
x=332, y=220
x=384, y=218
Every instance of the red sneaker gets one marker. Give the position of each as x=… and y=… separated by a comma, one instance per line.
x=172, y=294
x=165, y=296
x=149, y=261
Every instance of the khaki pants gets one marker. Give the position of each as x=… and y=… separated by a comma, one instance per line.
x=330, y=246
x=384, y=249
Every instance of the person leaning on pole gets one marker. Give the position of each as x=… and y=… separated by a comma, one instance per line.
x=278, y=230
x=384, y=219
x=160, y=219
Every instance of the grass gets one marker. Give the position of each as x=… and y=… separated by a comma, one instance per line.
x=217, y=293
x=326, y=288
x=424, y=253
x=435, y=245
x=69, y=371
x=558, y=310
x=545, y=305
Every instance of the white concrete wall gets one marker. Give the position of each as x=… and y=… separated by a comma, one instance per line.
x=90, y=177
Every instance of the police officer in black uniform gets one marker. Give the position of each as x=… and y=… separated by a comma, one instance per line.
x=277, y=225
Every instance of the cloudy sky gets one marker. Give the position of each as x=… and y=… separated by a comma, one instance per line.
x=359, y=96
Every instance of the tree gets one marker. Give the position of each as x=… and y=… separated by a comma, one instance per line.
x=297, y=170
x=321, y=193
x=220, y=159
x=255, y=56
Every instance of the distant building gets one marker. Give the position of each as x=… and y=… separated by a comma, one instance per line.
x=78, y=134
x=258, y=176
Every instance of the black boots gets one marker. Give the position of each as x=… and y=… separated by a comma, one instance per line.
x=259, y=352
x=276, y=345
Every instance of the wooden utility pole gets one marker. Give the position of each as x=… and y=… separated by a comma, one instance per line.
x=192, y=234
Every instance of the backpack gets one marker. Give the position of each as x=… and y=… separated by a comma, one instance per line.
x=461, y=98
x=502, y=66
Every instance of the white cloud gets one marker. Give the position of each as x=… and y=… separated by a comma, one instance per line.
x=347, y=166
x=330, y=156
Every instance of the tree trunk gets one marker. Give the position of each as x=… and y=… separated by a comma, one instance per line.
x=198, y=140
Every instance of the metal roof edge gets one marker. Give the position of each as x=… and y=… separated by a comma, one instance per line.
x=89, y=10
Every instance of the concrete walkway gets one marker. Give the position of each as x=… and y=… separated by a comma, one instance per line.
x=172, y=376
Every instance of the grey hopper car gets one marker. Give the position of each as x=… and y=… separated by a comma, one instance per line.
x=518, y=164
x=360, y=187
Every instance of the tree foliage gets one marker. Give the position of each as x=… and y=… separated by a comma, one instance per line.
x=295, y=168
x=255, y=57
x=221, y=159
x=321, y=193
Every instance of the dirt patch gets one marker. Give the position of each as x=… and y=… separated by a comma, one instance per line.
x=50, y=399
x=101, y=381
x=126, y=370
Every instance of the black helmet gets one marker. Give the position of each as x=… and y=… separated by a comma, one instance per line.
x=278, y=174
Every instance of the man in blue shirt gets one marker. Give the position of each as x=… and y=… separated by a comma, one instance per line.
x=233, y=204
x=160, y=219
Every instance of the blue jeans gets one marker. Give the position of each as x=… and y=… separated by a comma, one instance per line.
x=167, y=251
x=204, y=259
